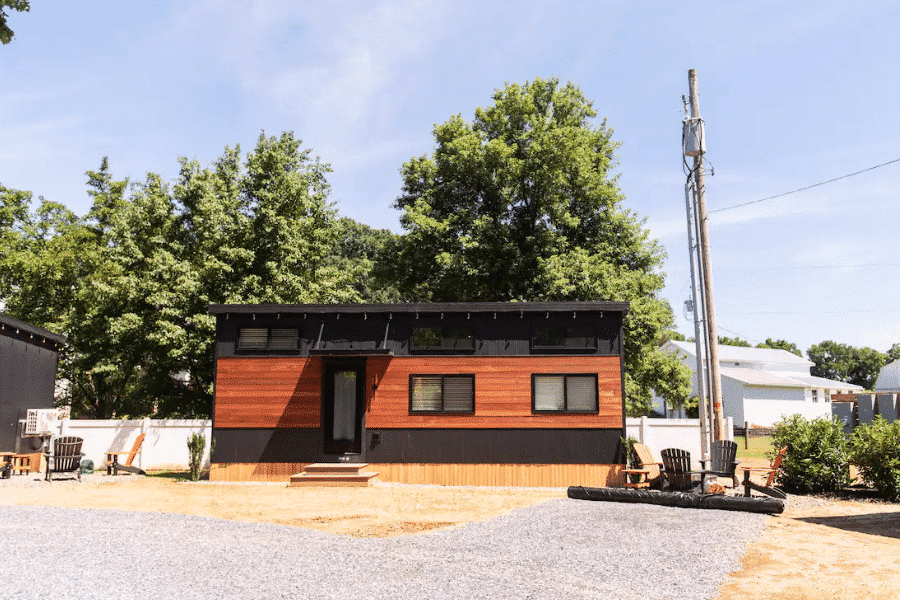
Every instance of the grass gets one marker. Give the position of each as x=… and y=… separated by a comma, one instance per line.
x=759, y=447
x=174, y=475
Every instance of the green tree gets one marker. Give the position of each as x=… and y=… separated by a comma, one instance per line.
x=521, y=205
x=842, y=362
x=7, y=34
x=130, y=284
x=893, y=354
x=735, y=341
x=781, y=345
x=364, y=251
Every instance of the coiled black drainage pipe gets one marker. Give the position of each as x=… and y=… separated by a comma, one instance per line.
x=679, y=499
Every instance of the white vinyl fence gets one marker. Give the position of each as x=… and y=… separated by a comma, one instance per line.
x=165, y=446
x=658, y=434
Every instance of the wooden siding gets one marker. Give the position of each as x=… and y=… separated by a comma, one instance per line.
x=444, y=474
x=286, y=392
x=268, y=392
x=502, y=392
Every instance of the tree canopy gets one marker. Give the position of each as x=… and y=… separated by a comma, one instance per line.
x=130, y=283
x=7, y=34
x=781, y=345
x=521, y=204
x=847, y=363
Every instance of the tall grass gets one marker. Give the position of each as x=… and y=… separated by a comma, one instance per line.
x=759, y=447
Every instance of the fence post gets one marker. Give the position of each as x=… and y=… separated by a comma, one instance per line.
x=145, y=428
x=729, y=429
x=746, y=435
x=643, y=430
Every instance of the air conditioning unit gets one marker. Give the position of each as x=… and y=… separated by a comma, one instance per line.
x=40, y=420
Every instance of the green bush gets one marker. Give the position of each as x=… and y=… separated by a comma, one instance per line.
x=818, y=457
x=875, y=450
x=196, y=445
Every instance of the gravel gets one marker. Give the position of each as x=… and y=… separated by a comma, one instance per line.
x=559, y=549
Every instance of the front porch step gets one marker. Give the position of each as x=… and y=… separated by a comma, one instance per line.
x=334, y=474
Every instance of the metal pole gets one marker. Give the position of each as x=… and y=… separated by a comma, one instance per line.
x=715, y=390
x=702, y=313
x=701, y=384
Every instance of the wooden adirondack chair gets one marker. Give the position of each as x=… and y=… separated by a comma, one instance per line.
x=723, y=460
x=112, y=459
x=649, y=469
x=772, y=470
x=677, y=469
x=65, y=458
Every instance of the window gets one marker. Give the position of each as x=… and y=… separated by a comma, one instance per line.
x=563, y=338
x=448, y=339
x=442, y=393
x=261, y=338
x=815, y=395
x=564, y=393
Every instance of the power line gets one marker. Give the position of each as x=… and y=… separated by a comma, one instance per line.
x=740, y=335
x=890, y=264
x=805, y=188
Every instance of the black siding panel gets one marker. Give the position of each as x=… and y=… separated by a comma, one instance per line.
x=507, y=334
x=269, y=446
x=459, y=446
x=477, y=446
x=27, y=380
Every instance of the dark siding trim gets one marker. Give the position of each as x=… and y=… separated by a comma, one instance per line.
x=453, y=446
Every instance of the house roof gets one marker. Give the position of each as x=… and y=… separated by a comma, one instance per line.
x=761, y=377
x=423, y=307
x=749, y=355
x=889, y=377
x=32, y=330
x=821, y=382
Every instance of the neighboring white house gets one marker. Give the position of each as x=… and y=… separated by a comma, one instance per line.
x=889, y=378
x=762, y=385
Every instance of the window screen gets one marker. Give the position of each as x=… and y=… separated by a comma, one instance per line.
x=442, y=393
x=261, y=338
x=253, y=338
x=565, y=393
x=437, y=339
x=550, y=337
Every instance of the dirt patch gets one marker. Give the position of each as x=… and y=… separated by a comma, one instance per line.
x=383, y=510
x=822, y=549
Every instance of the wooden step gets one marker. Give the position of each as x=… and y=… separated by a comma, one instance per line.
x=334, y=474
x=345, y=468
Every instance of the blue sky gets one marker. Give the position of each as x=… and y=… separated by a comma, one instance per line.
x=793, y=93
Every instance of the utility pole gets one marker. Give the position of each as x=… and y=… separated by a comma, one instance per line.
x=699, y=335
x=712, y=347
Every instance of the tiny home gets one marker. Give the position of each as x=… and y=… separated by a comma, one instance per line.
x=452, y=393
x=28, y=359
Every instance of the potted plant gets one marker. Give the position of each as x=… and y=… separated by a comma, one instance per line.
x=630, y=458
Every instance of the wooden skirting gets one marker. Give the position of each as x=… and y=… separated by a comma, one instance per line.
x=528, y=475
x=254, y=471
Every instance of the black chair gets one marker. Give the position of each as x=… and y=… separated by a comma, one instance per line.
x=723, y=460
x=677, y=469
x=65, y=458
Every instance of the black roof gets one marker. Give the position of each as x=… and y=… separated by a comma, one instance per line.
x=22, y=326
x=423, y=307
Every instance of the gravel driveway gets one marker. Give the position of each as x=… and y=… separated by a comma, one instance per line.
x=559, y=549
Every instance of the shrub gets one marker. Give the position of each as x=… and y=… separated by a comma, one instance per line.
x=196, y=445
x=817, y=459
x=875, y=450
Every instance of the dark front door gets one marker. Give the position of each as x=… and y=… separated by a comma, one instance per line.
x=344, y=400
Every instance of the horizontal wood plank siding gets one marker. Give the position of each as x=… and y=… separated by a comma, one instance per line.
x=286, y=392
x=273, y=472
x=534, y=475
x=268, y=392
x=502, y=392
